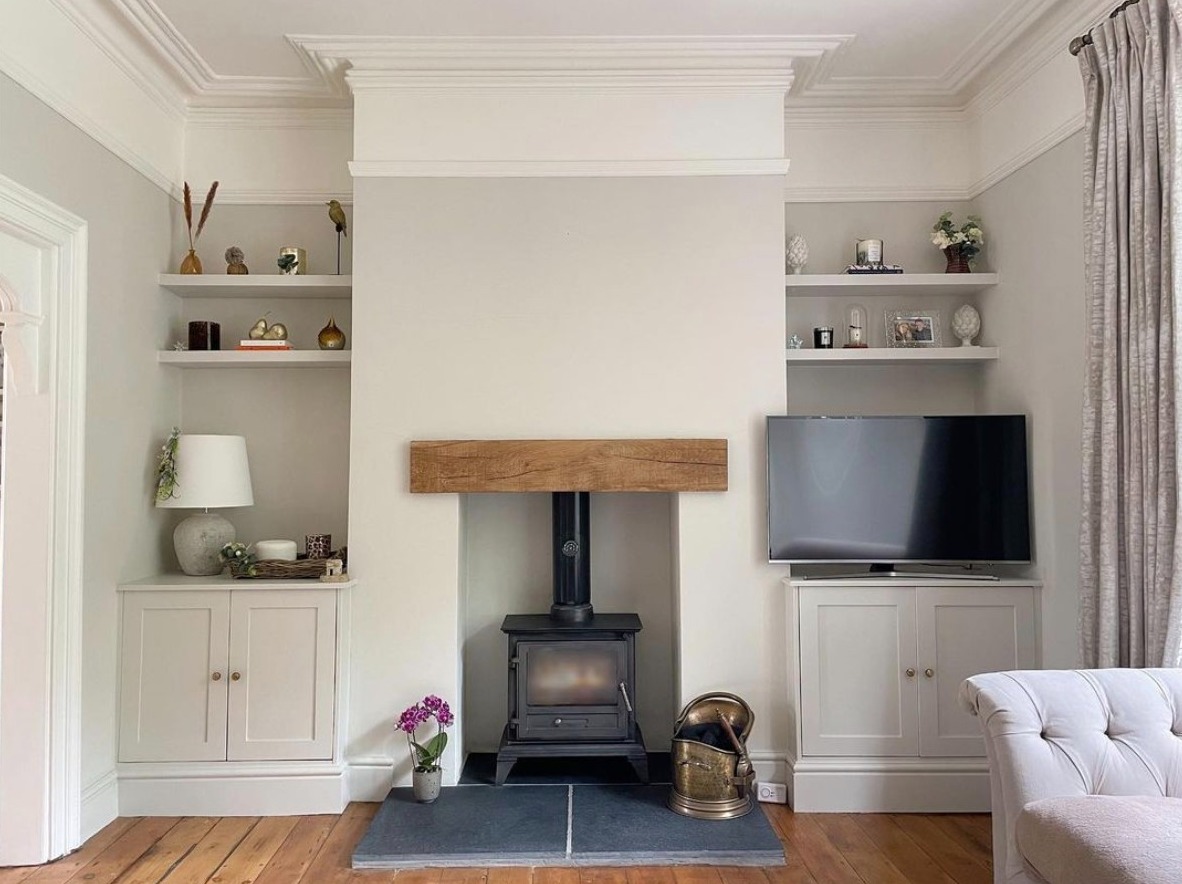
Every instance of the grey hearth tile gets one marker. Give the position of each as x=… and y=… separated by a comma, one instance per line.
x=631, y=825
x=467, y=826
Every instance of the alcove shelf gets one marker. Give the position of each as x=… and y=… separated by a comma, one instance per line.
x=244, y=359
x=213, y=285
x=831, y=285
x=893, y=356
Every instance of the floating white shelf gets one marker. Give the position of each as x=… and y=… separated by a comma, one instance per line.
x=831, y=285
x=893, y=356
x=245, y=359
x=213, y=285
x=181, y=582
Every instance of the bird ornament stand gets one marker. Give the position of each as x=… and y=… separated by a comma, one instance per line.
x=337, y=215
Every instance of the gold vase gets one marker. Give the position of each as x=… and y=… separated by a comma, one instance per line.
x=331, y=337
x=191, y=264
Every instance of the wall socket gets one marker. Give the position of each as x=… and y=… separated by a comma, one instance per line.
x=777, y=793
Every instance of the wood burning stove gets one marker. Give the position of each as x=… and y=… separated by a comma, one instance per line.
x=572, y=673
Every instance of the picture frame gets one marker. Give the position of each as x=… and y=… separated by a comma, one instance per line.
x=913, y=328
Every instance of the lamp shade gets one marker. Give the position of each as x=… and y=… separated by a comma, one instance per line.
x=211, y=472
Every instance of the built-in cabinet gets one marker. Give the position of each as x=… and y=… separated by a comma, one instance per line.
x=875, y=677
x=219, y=676
x=237, y=676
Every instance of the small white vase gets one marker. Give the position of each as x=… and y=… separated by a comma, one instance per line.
x=426, y=784
x=797, y=253
x=966, y=324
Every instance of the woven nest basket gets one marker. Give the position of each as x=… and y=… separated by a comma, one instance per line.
x=275, y=569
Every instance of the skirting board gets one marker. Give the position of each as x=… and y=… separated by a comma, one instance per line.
x=180, y=790
x=100, y=804
x=860, y=787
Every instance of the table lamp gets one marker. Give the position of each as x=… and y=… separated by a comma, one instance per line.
x=211, y=472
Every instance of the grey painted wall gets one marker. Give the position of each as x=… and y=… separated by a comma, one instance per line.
x=130, y=401
x=1038, y=315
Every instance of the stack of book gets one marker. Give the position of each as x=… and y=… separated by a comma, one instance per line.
x=261, y=346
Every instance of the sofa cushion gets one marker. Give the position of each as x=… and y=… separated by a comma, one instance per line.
x=1118, y=840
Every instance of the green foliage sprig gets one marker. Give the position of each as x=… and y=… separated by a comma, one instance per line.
x=240, y=557
x=166, y=467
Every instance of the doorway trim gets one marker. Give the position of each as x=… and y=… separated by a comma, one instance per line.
x=53, y=333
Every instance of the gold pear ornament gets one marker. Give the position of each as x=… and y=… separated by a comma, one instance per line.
x=258, y=330
x=331, y=337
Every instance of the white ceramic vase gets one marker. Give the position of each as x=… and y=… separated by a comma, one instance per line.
x=797, y=253
x=966, y=324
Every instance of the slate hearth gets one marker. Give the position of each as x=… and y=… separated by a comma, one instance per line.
x=479, y=826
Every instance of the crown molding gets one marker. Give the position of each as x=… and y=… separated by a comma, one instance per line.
x=1026, y=57
x=101, y=24
x=568, y=169
x=87, y=123
x=246, y=197
x=1033, y=152
x=270, y=117
x=806, y=115
x=614, y=63
x=893, y=194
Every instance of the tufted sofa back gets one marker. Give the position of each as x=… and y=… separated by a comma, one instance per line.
x=1052, y=734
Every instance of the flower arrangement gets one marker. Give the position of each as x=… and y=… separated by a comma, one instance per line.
x=166, y=467
x=970, y=236
x=426, y=755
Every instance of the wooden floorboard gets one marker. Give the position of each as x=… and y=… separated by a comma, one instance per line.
x=820, y=849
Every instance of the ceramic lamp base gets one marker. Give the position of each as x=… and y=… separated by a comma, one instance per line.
x=198, y=540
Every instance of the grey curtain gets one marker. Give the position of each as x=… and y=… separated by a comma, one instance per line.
x=1131, y=537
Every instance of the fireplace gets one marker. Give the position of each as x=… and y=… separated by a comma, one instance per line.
x=572, y=672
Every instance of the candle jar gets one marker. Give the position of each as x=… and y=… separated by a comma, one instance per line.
x=823, y=337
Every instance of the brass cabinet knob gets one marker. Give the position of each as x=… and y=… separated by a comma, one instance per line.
x=929, y=672
x=237, y=676
x=910, y=672
x=217, y=676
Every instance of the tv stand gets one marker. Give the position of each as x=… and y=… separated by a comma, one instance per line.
x=883, y=569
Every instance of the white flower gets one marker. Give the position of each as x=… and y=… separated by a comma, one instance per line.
x=940, y=239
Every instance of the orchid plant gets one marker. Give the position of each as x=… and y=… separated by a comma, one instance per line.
x=426, y=755
x=970, y=236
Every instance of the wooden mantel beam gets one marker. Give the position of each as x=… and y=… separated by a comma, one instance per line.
x=465, y=466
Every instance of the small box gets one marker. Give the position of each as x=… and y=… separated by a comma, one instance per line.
x=205, y=335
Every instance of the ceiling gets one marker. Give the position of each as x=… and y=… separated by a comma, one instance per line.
x=891, y=51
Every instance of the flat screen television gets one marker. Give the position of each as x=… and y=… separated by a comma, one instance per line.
x=888, y=490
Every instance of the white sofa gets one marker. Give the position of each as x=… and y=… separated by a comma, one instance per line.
x=1086, y=773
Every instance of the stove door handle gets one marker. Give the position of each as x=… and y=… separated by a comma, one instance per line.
x=624, y=692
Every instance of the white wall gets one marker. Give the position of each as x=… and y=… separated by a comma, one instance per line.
x=1038, y=315
x=550, y=308
x=130, y=401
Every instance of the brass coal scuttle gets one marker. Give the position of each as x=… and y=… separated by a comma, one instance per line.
x=712, y=774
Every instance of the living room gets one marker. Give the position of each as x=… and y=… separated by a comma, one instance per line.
x=560, y=223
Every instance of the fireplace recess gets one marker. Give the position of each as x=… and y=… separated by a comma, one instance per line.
x=572, y=673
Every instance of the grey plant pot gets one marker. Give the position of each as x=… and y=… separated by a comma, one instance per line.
x=426, y=784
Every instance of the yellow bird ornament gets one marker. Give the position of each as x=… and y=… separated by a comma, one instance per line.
x=337, y=214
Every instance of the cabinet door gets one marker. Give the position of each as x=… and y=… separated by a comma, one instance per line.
x=856, y=645
x=282, y=674
x=173, y=676
x=965, y=631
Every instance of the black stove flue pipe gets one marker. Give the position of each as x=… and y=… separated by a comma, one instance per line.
x=572, y=556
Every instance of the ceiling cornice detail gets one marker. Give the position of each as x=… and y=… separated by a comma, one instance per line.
x=660, y=63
